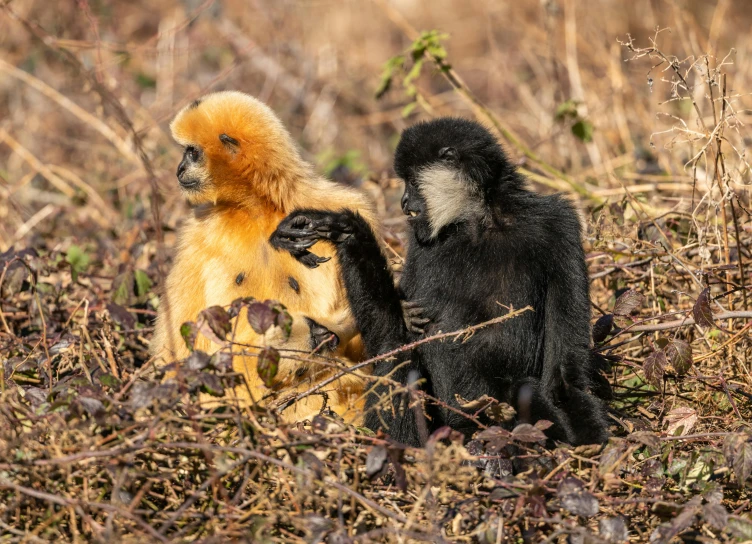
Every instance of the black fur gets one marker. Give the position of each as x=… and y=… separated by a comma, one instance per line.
x=520, y=248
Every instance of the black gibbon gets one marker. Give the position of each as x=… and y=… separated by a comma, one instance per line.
x=243, y=173
x=478, y=241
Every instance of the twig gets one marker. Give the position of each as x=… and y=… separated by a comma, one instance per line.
x=454, y=334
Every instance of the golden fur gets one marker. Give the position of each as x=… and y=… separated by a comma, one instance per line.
x=246, y=190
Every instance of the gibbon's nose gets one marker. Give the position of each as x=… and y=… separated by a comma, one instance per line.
x=403, y=202
x=181, y=169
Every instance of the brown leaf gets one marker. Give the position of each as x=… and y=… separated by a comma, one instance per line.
x=500, y=412
x=475, y=405
x=654, y=367
x=651, y=440
x=576, y=499
x=121, y=316
x=211, y=384
x=197, y=360
x=613, y=530
x=665, y=532
x=681, y=419
x=612, y=455
x=543, y=424
x=375, y=461
x=628, y=302
x=701, y=311
x=743, y=462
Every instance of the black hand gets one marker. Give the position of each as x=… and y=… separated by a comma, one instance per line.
x=321, y=337
x=309, y=259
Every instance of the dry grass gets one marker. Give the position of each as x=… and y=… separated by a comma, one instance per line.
x=92, y=449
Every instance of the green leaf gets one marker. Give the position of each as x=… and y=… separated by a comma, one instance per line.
x=566, y=110
x=108, y=380
x=583, y=130
x=387, y=74
x=267, y=365
x=122, y=289
x=407, y=110
x=188, y=331
x=143, y=283
x=78, y=260
x=414, y=72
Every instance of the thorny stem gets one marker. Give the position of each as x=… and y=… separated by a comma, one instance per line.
x=466, y=332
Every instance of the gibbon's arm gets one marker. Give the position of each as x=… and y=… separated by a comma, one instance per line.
x=374, y=299
x=375, y=302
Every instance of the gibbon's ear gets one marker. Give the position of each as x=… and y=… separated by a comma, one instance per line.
x=448, y=154
x=229, y=142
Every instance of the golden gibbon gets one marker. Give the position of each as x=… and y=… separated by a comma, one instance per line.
x=243, y=174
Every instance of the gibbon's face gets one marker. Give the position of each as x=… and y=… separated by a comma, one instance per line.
x=447, y=164
x=231, y=143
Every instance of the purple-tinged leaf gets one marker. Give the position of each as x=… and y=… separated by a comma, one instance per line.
x=211, y=384
x=221, y=360
x=260, y=317
x=715, y=515
x=214, y=323
x=654, y=367
x=524, y=432
x=679, y=354
x=702, y=311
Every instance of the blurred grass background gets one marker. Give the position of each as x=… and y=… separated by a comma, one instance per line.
x=657, y=160
x=75, y=78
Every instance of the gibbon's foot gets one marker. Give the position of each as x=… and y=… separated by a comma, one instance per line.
x=412, y=313
x=321, y=337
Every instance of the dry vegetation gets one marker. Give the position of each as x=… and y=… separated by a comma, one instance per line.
x=647, y=129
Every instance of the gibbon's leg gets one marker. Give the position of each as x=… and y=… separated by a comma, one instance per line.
x=375, y=303
x=588, y=416
x=534, y=404
x=567, y=361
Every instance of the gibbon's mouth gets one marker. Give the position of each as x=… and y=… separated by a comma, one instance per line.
x=412, y=214
x=189, y=184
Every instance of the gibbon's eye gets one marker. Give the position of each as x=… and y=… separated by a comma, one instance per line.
x=448, y=154
x=192, y=153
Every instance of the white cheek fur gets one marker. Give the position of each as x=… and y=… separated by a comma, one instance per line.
x=448, y=197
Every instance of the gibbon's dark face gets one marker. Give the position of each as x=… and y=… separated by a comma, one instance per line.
x=449, y=166
x=191, y=169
